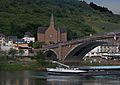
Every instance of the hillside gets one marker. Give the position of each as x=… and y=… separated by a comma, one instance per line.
x=80, y=18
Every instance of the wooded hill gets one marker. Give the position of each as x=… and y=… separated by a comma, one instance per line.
x=80, y=18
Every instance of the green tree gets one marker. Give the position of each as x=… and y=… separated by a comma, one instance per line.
x=38, y=44
x=19, y=16
x=72, y=34
x=40, y=58
x=12, y=52
x=3, y=55
x=21, y=52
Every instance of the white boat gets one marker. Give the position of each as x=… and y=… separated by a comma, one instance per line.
x=64, y=71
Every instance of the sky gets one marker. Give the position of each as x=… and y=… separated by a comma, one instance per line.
x=113, y=5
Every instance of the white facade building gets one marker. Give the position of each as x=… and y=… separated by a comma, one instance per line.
x=104, y=49
x=29, y=39
x=2, y=41
x=94, y=52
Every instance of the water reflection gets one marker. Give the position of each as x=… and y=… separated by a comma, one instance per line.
x=100, y=80
x=41, y=78
x=63, y=80
x=16, y=78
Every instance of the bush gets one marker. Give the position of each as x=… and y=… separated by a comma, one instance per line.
x=40, y=58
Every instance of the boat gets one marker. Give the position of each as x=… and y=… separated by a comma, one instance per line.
x=83, y=70
x=56, y=71
x=65, y=70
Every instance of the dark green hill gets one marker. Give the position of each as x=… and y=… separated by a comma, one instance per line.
x=80, y=18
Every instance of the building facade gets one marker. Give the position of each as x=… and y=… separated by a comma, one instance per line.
x=51, y=34
x=28, y=37
x=2, y=39
x=105, y=51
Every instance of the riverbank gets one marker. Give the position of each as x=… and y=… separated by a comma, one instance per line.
x=16, y=66
x=21, y=66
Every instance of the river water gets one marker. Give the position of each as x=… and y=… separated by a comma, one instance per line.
x=41, y=78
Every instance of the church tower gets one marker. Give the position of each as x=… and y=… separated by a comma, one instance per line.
x=52, y=24
x=51, y=34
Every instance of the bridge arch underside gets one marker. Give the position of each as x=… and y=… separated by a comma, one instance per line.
x=50, y=55
x=81, y=50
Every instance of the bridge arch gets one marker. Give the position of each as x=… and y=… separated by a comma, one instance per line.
x=51, y=55
x=80, y=50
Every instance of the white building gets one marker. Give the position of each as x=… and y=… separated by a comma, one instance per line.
x=2, y=39
x=28, y=37
x=94, y=52
x=104, y=49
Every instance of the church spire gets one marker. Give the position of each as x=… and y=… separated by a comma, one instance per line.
x=52, y=21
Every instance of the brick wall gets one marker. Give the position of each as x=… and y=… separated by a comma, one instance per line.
x=40, y=37
x=51, y=35
x=64, y=37
x=63, y=51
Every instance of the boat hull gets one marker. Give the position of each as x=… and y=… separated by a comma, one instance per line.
x=94, y=73
x=52, y=71
x=64, y=73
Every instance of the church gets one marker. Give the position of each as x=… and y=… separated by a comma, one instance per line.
x=51, y=34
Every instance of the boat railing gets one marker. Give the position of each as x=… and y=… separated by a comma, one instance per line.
x=61, y=64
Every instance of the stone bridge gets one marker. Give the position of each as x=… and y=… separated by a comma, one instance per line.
x=75, y=50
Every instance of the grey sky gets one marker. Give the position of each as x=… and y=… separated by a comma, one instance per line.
x=113, y=5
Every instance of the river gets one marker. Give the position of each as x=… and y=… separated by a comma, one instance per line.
x=41, y=78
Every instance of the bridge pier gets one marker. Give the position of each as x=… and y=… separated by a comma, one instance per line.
x=59, y=52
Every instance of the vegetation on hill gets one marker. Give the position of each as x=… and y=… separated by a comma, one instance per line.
x=101, y=9
x=80, y=18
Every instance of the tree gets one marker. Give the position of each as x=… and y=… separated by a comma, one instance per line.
x=3, y=55
x=12, y=52
x=72, y=34
x=21, y=52
x=38, y=44
x=40, y=57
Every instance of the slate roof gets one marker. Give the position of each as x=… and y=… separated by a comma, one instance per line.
x=29, y=34
x=63, y=30
x=12, y=37
x=43, y=29
x=19, y=41
x=2, y=35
